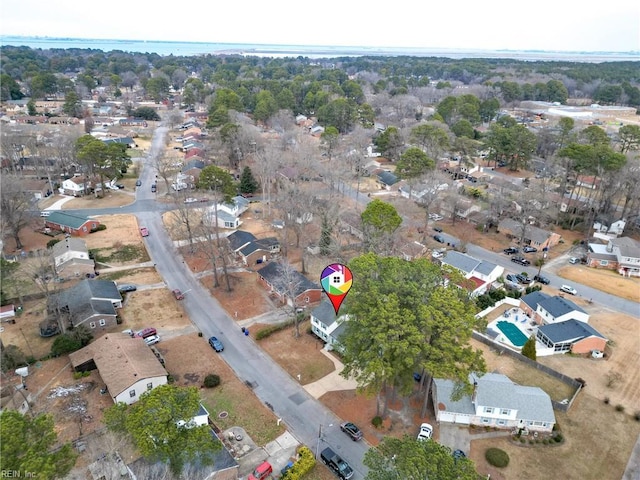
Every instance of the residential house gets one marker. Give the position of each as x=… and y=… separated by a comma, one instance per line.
x=327, y=326
x=370, y=167
x=386, y=179
x=229, y=213
x=195, y=152
x=259, y=250
x=316, y=130
x=192, y=170
x=463, y=208
x=621, y=254
x=588, y=181
x=351, y=222
x=239, y=239
x=605, y=232
x=571, y=336
x=196, y=117
x=127, y=141
x=301, y=120
x=417, y=192
x=288, y=285
x=71, y=258
x=71, y=223
x=7, y=313
x=481, y=273
x=71, y=186
x=132, y=122
x=412, y=250
x=127, y=366
x=529, y=302
x=496, y=402
x=534, y=236
x=38, y=189
x=558, y=309
x=92, y=303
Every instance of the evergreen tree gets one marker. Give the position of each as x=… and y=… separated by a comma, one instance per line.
x=325, y=236
x=248, y=183
x=529, y=348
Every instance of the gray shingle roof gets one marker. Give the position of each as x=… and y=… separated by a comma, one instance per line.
x=628, y=246
x=460, y=261
x=324, y=313
x=559, y=306
x=532, y=403
x=534, y=298
x=89, y=297
x=239, y=239
x=485, y=268
x=388, y=178
x=569, y=330
x=69, y=244
x=444, y=389
x=272, y=272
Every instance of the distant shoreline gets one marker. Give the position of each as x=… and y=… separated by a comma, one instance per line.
x=177, y=48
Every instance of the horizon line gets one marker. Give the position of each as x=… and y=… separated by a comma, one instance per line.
x=456, y=49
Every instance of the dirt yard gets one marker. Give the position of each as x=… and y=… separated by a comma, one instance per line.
x=122, y=229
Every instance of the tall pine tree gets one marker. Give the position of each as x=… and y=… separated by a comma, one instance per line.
x=529, y=348
x=248, y=183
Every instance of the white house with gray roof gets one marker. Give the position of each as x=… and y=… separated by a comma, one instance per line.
x=480, y=272
x=71, y=258
x=229, y=213
x=558, y=309
x=326, y=325
x=571, y=336
x=496, y=402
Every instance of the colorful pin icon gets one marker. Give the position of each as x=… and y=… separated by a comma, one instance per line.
x=336, y=280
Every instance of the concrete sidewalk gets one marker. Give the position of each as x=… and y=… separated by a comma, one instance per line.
x=331, y=382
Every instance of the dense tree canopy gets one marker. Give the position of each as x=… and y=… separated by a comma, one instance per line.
x=410, y=459
x=159, y=425
x=404, y=320
x=27, y=447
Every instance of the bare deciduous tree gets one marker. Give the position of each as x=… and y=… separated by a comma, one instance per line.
x=15, y=203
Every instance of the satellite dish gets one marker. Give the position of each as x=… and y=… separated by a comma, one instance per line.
x=23, y=372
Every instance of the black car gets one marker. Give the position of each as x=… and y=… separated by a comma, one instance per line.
x=511, y=250
x=138, y=183
x=529, y=249
x=127, y=288
x=458, y=454
x=521, y=261
x=541, y=279
x=523, y=279
x=438, y=238
x=437, y=229
x=352, y=430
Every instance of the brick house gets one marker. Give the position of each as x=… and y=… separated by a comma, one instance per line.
x=71, y=223
x=297, y=290
x=571, y=336
x=533, y=236
x=621, y=254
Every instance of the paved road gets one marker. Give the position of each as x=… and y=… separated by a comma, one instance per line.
x=302, y=414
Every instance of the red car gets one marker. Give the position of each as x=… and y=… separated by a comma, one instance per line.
x=178, y=294
x=146, y=332
x=144, y=231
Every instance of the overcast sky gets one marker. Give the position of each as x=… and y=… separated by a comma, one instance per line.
x=565, y=25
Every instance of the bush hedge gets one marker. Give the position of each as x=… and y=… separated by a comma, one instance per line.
x=211, y=380
x=496, y=457
x=271, y=329
x=303, y=465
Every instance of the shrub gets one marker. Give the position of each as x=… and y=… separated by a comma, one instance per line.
x=303, y=465
x=523, y=440
x=211, y=380
x=531, y=442
x=65, y=343
x=98, y=228
x=619, y=408
x=51, y=243
x=376, y=421
x=200, y=334
x=265, y=332
x=545, y=441
x=606, y=400
x=558, y=438
x=637, y=416
x=496, y=457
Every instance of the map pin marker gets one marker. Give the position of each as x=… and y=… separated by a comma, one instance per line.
x=336, y=280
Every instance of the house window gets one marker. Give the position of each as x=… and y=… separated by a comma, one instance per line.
x=92, y=324
x=306, y=299
x=488, y=410
x=504, y=411
x=149, y=386
x=604, y=263
x=103, y=322
x=132, y=393
x=485, y=420
x=502, y=422
x=84, y=229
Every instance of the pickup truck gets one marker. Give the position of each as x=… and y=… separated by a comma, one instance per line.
x=336, y=464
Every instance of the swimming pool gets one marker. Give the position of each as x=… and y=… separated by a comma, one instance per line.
x=513, y=333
